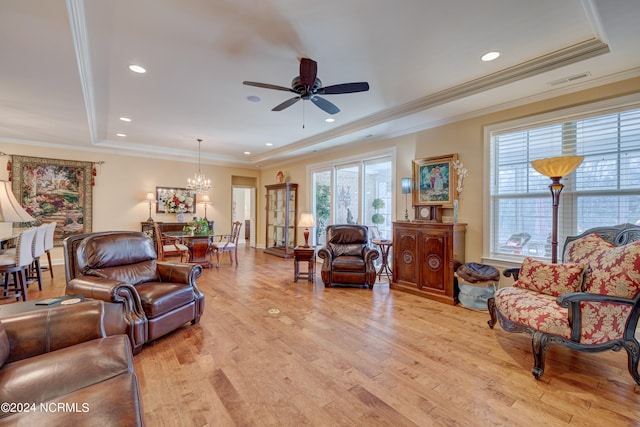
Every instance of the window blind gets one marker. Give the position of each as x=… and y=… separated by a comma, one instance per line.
x=604, y=190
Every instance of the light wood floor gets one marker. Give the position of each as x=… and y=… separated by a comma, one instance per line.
x=346, y=357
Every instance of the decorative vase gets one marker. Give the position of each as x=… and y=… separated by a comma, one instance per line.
x=455, y=211
x=180, y=216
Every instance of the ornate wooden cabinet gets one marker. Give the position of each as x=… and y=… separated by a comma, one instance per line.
x=282, y=210
x=423, y=258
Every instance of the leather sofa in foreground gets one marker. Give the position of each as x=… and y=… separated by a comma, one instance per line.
x=58, y=367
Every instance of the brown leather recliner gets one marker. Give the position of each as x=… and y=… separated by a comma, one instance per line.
x=121, y=267
x=348, y=259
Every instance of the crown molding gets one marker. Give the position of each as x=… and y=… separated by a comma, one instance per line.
x=80, y=38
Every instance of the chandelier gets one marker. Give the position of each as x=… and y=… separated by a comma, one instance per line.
x=199, y=184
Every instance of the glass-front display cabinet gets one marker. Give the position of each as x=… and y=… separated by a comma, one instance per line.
x=282, y=211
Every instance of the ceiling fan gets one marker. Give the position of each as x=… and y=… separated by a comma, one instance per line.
x=308, y=86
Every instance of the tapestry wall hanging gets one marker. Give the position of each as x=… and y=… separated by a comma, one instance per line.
x=57, y=191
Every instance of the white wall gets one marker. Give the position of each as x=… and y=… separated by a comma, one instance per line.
x=122, y=183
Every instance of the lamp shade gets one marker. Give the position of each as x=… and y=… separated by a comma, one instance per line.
x=306, y=220
x=406, y=185
x=557, y=166
x=205, y=199
x=151, y=197
x=10, y=208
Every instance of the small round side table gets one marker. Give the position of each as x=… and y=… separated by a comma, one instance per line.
x=385, y=247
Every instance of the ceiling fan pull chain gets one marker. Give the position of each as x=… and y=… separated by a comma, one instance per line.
x=303, y=115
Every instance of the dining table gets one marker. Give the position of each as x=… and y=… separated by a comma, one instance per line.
x=201, y=246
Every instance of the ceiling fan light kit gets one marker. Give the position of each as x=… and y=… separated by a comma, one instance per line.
x=307, y=86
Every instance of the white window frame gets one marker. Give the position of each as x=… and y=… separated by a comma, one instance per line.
x=350, y=161
x=575, y=113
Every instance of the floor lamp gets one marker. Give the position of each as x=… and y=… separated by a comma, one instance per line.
x=406, y=189
x=556, y=168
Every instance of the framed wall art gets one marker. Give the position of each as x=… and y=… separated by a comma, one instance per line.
x=175, y=200
x=434, y=181
x=57, y=191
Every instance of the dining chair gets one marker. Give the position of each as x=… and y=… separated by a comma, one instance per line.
x=16, y=264
x=168, y=246
x=48, y=243
x=228, y=244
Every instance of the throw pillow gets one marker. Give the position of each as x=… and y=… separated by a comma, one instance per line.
x=550, y=279
x=613, y=270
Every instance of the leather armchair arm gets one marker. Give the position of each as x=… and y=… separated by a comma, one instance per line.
x=107, y=290
x=186, y=274
x=115, y=291
x=370, y=254
x=42, y=331
x=179, y=272
x=325, y=254
x=327, y=259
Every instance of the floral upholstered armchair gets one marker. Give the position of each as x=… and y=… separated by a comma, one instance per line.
x=589, y=303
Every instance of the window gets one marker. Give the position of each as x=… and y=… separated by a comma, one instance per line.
x=357, y=191
x=604, y=190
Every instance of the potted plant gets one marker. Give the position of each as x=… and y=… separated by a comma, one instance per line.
x=377, y=217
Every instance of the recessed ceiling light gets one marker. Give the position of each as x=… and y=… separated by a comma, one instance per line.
x=121, y=135
x=490, y=56
x=247, y=152
x=125, y=119
x=253, y=98
x=330, y=120
x=137, y=69
x=268, y=144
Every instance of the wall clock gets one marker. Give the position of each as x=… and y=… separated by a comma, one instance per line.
x=428, y=213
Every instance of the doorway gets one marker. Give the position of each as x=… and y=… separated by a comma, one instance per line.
x=243, y=206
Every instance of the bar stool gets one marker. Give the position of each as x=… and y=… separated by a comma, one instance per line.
x=18, y=264
x=37, y=250
x=48, y=243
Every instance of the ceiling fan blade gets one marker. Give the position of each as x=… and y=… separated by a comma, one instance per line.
x=344, y=88
x=308, y=72
x=268, y=86
x=325, y=105
x=285, y=104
